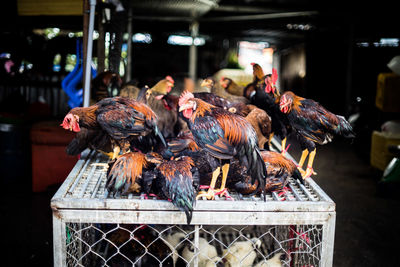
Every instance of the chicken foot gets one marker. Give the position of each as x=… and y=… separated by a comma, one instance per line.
x=210, y=194
x=309, y=170
x=222, y=191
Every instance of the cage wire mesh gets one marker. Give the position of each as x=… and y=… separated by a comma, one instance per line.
x=92, y=244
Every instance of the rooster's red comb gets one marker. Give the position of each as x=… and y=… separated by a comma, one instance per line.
x=274, y=75
x=252, y=63
x=185, y=96
x=169, y=78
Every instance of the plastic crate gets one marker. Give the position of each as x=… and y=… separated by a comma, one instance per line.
x=92, y=228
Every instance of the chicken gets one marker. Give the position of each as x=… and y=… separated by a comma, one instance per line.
x=279, y=170
x=129, y=91
x=167, y=116
x=220, y=91
x=137, y=243
x=270, y=83
x=214, y=262
x=177, y=179
x=258, y=81
x=105, y=84
x=120, y=119
x=312, y=124
x=207, y=253
x=266, y=100
x=224, y=136
x=89, y=138
x=261, y=123
x=231, y=87
x=175, y=241
x=172, y=100
x=275, y=261
x=241, y=253
x=125, y=173
x=163, y=86
x=258, y=73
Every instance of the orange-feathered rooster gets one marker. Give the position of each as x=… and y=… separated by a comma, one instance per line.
x=127, y=174
x=120, y=119
x=279, y=170
x=312, y=124
x=224, y=136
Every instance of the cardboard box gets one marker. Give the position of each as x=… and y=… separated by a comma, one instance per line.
x=388, y=92
x=380, y=155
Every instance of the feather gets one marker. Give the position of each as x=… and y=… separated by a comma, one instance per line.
x=176, y=181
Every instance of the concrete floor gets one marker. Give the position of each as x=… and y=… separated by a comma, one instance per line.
x=366, y=231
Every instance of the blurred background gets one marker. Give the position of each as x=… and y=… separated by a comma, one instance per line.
x=335, y=52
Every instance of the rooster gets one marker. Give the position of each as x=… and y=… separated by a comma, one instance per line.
x=120, y=119
x=266, y=97
x=224, y=136
x=279, y=170
x=177, y=179
x=128, y=173
x=312, y=124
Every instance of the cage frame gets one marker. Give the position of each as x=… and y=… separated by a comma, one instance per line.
x=93, y=208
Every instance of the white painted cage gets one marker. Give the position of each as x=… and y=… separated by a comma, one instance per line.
x=91, y=228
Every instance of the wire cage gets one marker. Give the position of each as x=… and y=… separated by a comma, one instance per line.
x=91, y=244
x=94, y=228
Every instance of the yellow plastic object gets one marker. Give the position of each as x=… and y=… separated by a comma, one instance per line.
x=388, y=92
x=380, y=155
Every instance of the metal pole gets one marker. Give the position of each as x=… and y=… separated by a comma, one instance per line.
x=86, y=88
x=100, y=43
x=194, y=32
x=128, y=74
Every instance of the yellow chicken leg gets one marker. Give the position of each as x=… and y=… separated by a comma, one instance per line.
x=271, y=135
x=116, y=151
x=304, y=155
x=225, y=170
x=309, y=169
x=211, y=192
x=283, y=148
x=108, y=154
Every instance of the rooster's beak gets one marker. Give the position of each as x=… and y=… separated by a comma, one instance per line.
x=181, y=108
